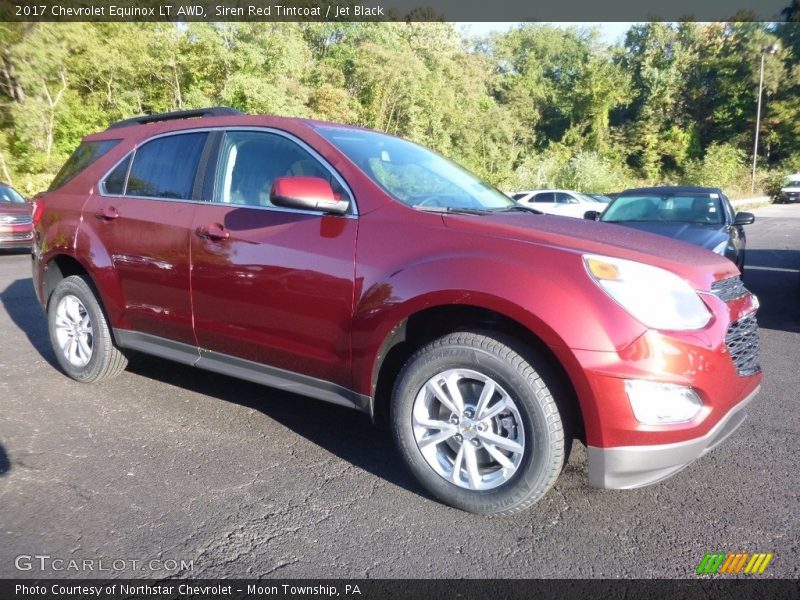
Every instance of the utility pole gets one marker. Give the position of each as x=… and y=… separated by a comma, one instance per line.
x=771, y=49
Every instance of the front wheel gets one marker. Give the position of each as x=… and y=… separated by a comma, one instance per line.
x=477, y=425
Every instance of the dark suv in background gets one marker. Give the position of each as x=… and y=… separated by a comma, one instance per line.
x=361, y=269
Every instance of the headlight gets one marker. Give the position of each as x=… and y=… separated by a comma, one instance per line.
x=721, y=247
x=657, y=298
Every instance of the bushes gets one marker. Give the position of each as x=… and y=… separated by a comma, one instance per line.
x=723, y=166
x=774, y=180
x=591, y=172
x=584, y=171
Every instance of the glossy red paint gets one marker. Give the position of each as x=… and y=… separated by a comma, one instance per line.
x=278, y=290
x=312, y=193
x=140, y=250
x=321, y=295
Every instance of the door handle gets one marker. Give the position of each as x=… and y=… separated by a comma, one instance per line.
x=215, y=232
x=109, y=213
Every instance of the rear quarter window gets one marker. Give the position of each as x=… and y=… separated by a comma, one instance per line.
x=84, y=155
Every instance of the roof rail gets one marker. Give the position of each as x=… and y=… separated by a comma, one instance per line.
x=216, y=111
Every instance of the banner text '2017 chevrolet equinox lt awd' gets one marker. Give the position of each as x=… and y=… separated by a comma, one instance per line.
x=361, y=269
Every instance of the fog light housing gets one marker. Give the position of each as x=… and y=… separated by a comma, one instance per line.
x=656, y=403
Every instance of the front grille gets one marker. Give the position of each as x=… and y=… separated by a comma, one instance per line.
x=742, y=343
x=728, y=289
x=15, y=220
x=16, y=237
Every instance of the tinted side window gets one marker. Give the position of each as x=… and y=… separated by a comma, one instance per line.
x=84, y=155
x=166, y=167
x=544, y=197
x=519, y=196
x=562, y=198
x=249, y=161
x=115, y=182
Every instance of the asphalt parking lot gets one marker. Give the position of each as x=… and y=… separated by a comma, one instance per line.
x=171, y=463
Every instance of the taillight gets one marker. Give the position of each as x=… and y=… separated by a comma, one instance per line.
x=38, y=210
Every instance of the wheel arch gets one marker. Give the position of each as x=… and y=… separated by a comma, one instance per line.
x=422, y=326
x=57, y=268
x=62, y=265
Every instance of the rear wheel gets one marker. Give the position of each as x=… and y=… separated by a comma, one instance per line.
x=79, y=332
x=476, y=424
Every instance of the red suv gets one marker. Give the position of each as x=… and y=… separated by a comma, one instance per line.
x=361, y=269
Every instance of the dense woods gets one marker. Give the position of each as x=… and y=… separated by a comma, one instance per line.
x=536, y=106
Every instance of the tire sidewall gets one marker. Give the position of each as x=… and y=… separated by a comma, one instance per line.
x=532, y=476
x=77, y=286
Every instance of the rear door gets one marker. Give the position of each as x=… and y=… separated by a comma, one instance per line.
x=544, y=201
x=141, y=216
x=272, y=285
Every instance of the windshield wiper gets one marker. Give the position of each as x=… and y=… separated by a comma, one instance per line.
x=520, y=208
x=452, y=210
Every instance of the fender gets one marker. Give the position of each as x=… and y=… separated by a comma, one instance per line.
x=55, y=235
x=538, y=298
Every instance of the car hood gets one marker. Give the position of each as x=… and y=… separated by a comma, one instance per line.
x=703, y=235
x=698, y=266
x=793, y=190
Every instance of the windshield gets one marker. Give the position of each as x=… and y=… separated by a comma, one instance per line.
x=8, y=194
x=668, y=208
x=414, y=175
x=793, y=184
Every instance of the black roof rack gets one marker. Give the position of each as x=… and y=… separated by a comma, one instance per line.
x=216, y=111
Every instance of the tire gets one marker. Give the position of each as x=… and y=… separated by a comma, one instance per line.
x=529, y=433
x=79, y=332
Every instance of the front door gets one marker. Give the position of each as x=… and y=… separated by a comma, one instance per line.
x=269, y=284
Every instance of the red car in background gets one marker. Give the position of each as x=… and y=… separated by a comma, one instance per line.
x=361, y=269
x=16, y=227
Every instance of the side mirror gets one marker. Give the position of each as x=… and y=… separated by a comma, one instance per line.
x=591, y=215
x=309, y=193
x=744, y=218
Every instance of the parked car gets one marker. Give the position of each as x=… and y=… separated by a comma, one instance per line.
x=699, y=215
x=361, y=269
x=558, y=202
x=16, y=229
x=791, y=191
x=602, y=198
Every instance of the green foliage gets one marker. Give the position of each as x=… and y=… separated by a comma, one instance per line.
x=773, y=182
x=537, y=106
x=722, y=166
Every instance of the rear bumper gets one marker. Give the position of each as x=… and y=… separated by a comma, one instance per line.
x=625, y=467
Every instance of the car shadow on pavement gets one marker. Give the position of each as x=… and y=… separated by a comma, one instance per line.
x=19, y=301
x=5, y=463
x=774, y=276
x=343, y=432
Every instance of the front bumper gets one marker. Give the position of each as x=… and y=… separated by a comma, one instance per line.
x=625, y=467
x=16, y=236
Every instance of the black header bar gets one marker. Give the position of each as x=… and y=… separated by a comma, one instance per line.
x=392, y=10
